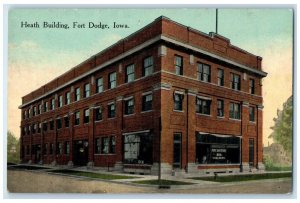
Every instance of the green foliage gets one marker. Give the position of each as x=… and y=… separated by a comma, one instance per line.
x=283, y=128
x=270, y=166
x=13, y=148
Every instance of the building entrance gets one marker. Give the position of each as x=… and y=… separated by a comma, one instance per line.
x=80, y=152
x=37, y=153
x=177, y=151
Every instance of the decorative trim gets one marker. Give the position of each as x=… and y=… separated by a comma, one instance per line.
x=245, y=104
x=260, y=107
x=147, y=93
x=159, y=86
x=119, y=98
x=128, y=98
x=113, y=102
x=202, y=97
x=219, y=135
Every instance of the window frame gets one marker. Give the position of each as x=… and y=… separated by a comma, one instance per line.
x=220, y=109
x=129, y=76
x=98, y=111
x=112, y=80
x=98, y=85
x=76, y=120
x=178, y=103
x=221, y=78
x=77, y=93
x=111, y=113
x=129, y=107
x=235, y=81
x=251, y=86
x=202, y=73
x=252, y=114
x=86, y=117
x=147, y=66
x=204, y=107
x=236, y=113
x=67, y=98
x=87, y=90
x=145, y=104
x=178, y=67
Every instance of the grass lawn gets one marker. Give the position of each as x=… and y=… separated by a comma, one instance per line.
x=93, y=175
x=163, y=182
x=278, y=168
x=233, y=178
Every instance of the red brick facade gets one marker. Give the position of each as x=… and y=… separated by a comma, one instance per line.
x=121, y=143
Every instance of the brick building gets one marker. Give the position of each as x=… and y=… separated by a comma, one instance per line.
x=166, y=94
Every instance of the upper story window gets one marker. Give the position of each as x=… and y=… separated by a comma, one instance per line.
x=234, y=110
x=39, y=127
x=235, y=81
x=60, y=101
x=148, y=66
x=58, y=123
x=99, y=85
x=203, y=72
x=24, y=114
x=129, y=106
x=98, y=114
x=86, y=116
x=45, y=106
x=34, y=128
x=59, y=148
x=67, y=98
x=112, y=80
x=129, y=73
x=251, y=113
x=67, y=148
x=203, y=106
x=178, y=100
x=67, y=121
x=251, y=86
x=51, y=123
x=52, y=104
x=111, y=110
x=77, y=118
x=45, y=126
x=178, y=65
x=34, y=111
x=220, y=77
x=220, y=110
x=86, y=92
x=77, y=94
x=147, y=102
x=40, y=109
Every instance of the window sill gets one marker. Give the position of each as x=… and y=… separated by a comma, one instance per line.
x=99, y=121
x=201, y=114
x=104, y=154
x=147, y=111
x=111, y=118
x=181, y=111
x=221, y=117
x=252, y=122
x=128, y=115
x=234, y=119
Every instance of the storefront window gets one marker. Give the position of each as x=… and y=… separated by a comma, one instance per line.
x=138, y=148
x=214, y=149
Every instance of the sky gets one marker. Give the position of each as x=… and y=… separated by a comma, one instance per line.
x=37, y=55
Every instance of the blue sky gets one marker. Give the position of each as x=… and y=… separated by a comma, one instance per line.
x=42, y=54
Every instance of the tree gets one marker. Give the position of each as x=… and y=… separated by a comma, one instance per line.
x=283, y=128
x=13, y=148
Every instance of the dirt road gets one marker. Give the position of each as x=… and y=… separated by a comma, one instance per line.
x=33, y=182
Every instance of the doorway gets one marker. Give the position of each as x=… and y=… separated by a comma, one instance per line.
x=80, y=153
x=177, y=150
x=37, y=152
x=251, y=152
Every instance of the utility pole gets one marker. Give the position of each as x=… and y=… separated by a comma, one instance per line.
x=216, y=21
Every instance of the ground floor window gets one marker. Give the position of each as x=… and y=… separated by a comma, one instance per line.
x=138, y=148
x=216, y=149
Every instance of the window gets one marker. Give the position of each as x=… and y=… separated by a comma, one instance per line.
x=203, y=72
x=147, y=102
x=203, y=106
x=67, y=121
x=138, y=148
x=86, y=116
x=112, y=145
x=98, y=112
x=45, y=125
x=24, y=114
x=251, y=114
x=178, y=99
x=234, y=111
x=67, y=148
x=60, y=101
x=220, y=77
x=178, y=65
x=220, y=110
x=51, y=148
x=51, y=125
x=39, y=127
x=45, y=149
x=52, y=104
x=129, y=107
x=99, y=85
x=59, y=148
x=67, y=98
x=98, y=146
x=111, y=110
x=34, y=126
x=58, y=123
x=235, y=81
x=23, y=130
x=251, y=86
x=34, y=111
x=105, y=145
x=214, y=149
x=148, y=66
x=28, y=131
x=77, y=94
x=45, y=106
x=130, y=73
x=77, y=118
x=40, y=109
x=86, y=92
x=112, y=78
